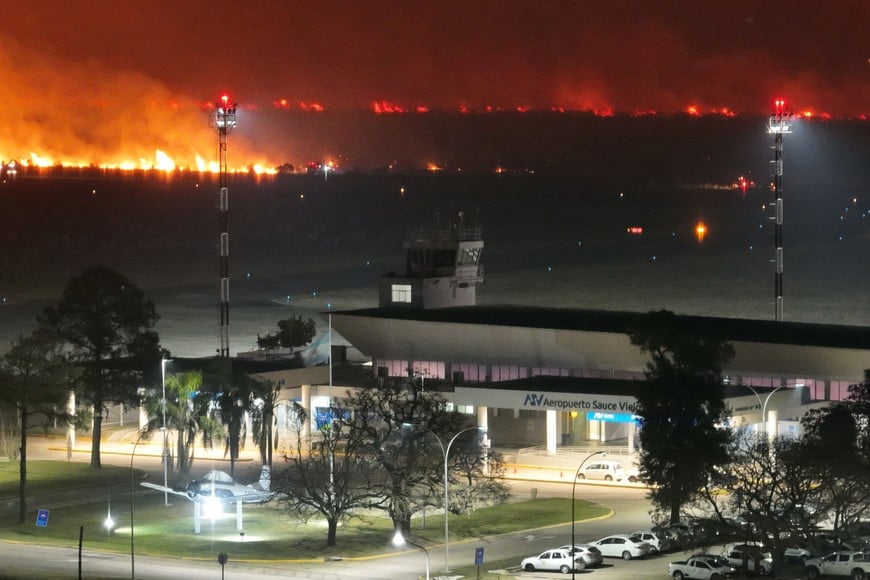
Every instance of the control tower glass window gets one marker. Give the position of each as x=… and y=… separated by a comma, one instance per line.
x=469, y=256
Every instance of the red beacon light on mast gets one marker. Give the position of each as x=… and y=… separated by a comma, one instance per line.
x=225, y=113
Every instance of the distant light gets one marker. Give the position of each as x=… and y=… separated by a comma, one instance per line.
x=700, y=231
x=635, y=230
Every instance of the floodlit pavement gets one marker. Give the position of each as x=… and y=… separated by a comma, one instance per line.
x=627, y=500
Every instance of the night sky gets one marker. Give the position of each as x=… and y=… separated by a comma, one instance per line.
x=86, y=79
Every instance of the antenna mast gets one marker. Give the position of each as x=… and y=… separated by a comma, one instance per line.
x=778, y=125
x=224, y=121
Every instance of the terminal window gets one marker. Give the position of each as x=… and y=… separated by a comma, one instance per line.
x=402, y=293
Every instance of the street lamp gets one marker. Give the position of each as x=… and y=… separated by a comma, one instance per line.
x=573, y=488
x=764, y=404
x=163, y=362
x=132, y=483
x=399, y=541
x=446, y=452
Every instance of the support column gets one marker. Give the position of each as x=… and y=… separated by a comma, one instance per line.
x=143, y=412
x=772, y=425
x=71, y=429
x=482, y=418
x=483, y=425
x=305, y=402
x=552, y=431
x=239, y=519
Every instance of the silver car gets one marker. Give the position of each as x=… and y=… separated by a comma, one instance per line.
x=622, y=546
x=590, y=555
x=555, y=560
x=658, y=542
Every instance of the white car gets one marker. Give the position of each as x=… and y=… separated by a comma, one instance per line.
x=590, y=555
x=556, y=560
x=658, y=542
x=747, y=557
x=622, y=546
x=605, y=470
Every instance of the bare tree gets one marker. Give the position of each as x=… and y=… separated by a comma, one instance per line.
x=400, y=424
x=333, y=477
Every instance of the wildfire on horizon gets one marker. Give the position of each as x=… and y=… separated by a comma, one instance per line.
x=168, y=156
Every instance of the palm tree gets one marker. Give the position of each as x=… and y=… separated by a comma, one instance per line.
x=188, y=412
x=263, y=419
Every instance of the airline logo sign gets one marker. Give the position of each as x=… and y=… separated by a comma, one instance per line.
x=611, y=417
x=543, y=401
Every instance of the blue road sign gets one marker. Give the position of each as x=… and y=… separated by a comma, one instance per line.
x=478, y=556
x=42, y=518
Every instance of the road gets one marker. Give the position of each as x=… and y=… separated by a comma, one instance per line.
x=629, y=505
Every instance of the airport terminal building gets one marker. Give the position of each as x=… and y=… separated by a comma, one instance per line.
x=548, y=377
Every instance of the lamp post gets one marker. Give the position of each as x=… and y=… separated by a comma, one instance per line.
x=573, y=488
x=132, y=483
x=399, y=541
x=163, y=362
x=764, y=404
x=446, y=452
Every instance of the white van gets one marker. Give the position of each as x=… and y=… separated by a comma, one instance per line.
x=604, y=470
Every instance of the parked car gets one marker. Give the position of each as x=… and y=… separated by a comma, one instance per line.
x=658, y=542
x=680, y=535
x=622, y=546
x=712, y=531
x=852, y=564
x=605, y=470
x=701, y=568
x=590, y=555
x=748, y=558
x=555, y=560
x=632, y=473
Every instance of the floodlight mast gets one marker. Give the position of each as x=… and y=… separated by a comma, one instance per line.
x=779, y=124
x=224, y=121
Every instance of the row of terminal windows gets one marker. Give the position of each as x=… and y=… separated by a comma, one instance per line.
x=820, y=390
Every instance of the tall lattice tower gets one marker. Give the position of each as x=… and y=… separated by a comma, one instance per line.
x=224, y=121
x=778, y=125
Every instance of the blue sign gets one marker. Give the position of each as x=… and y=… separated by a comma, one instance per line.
x=478, y=556
x=324, y=416
x=42, y=518
x=611, y=417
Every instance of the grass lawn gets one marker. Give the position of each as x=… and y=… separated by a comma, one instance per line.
x=271, y=533
x=43, y=476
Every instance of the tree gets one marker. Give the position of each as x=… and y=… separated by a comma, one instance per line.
x=35, y=378
x=292, y=332
x=188, y=412
x=769, y=484
x=481, y=472
x=263, y=419
x=398, y=422
x=107, y=327
x=829, y=448
x=858, y=403
x=332, y=477
x=232, y=391
x=681, y=408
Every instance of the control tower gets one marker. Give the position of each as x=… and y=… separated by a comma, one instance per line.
x=442, y=267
